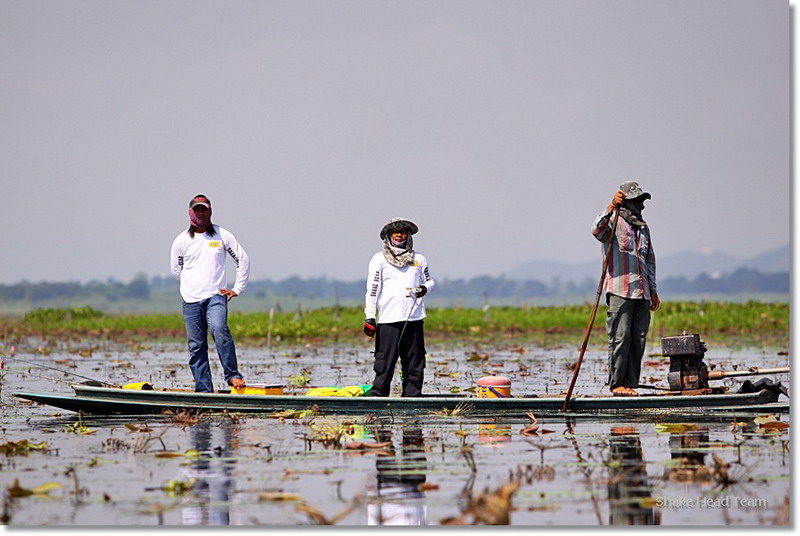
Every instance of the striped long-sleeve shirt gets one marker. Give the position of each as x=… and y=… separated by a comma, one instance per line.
x=631, y=259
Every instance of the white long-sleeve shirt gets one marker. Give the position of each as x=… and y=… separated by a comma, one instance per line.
x=388, y=286
x=199, y=264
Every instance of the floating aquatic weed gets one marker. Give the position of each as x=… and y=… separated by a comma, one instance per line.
x=532, y=428
x=231, y=416
x=96, y=461
x=179, y=487
x=770, y=423
x=16, y=491
x=22, y=447
x=78, y=427
x=293, y=414
x=143, y=443
x=144, y=428
x=487, y=508
x=675, y=428
x=725, y=475
x=542, y=472
x=328, y=433
x=318, y=518
x=279, y=496
x=77, y=490
x=462, y=409
x=157, y=509
x=191, y=453
x=184, y=417
x=300, y=380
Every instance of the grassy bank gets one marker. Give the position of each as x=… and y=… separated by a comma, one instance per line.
x=756, y=323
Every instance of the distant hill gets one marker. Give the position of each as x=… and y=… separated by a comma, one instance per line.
x=687, y=264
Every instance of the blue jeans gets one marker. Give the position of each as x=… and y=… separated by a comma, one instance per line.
x=201, y=317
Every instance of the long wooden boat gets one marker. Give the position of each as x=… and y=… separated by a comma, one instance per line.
x=116, y=401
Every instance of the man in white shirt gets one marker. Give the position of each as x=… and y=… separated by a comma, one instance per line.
x=398, y=279
x=198, y=260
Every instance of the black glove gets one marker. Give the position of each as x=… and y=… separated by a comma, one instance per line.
x=419, y=292
x=369, y=327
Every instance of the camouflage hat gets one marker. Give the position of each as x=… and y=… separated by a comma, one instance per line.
x=632, y=190
x=396, y=224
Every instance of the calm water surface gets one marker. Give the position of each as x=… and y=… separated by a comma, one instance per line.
x=379, y=469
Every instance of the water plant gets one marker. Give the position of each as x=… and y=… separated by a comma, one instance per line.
x=751, y=321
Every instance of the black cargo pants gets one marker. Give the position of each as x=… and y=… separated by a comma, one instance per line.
x=412, y=357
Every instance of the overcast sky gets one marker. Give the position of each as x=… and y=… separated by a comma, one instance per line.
x=500, y=127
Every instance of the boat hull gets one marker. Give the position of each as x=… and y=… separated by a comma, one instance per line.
x=109, y=401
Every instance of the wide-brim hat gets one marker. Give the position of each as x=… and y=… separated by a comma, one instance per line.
x=632, y=190
x=395, y=224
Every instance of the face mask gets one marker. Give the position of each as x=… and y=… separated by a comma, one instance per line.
x=398, y=255
x=197, y=222
x=631, y=211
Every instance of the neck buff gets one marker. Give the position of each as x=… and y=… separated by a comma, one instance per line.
x=197, y=222
x=632, y=213
x=398, y=255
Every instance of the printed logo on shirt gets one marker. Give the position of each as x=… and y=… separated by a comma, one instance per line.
x=215, y=244
x=413, y=263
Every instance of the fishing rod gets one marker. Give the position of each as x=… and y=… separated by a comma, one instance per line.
x=402, y=331
x=406, y=323
x=66, y=372
x=30, y=374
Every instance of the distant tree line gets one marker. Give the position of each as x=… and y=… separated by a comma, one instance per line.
x=743, y=280
x=138, y=288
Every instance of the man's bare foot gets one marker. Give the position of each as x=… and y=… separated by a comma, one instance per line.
x=623, y=391
x=237, y=383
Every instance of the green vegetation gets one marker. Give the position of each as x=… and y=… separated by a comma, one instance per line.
x=747, y=322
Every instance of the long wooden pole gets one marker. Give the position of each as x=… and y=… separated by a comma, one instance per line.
x=594, y=313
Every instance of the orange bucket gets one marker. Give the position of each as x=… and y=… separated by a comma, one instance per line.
x=494, y=387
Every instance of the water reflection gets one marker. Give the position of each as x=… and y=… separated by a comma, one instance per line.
x=629, y=493
x=688, y=465
x=212, y=473
x=492, y=434
x=397, y=497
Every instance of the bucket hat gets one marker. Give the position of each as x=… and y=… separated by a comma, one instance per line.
x=632, y=190
x=396, y=224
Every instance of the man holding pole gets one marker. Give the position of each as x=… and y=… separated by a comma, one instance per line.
x=630, y=286
x=397, y=280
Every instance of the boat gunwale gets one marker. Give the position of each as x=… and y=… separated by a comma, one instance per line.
x=161, y=401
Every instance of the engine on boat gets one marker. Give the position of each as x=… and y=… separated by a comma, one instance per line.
x=687, y=370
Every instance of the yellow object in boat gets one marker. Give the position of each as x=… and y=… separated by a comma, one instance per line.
x=138, y=386
x=349, y=390
x=258, y=390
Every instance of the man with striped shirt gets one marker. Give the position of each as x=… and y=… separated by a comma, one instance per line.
x=630, y=285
